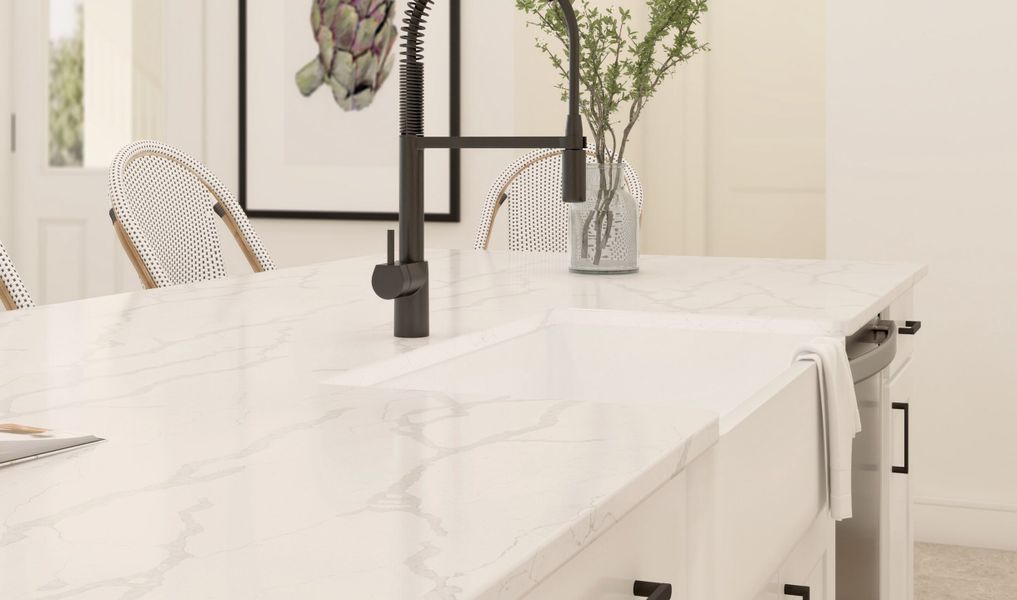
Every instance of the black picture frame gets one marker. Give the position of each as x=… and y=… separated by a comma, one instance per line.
x=455, y=169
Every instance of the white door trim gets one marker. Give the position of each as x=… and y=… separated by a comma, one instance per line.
x=6, y=109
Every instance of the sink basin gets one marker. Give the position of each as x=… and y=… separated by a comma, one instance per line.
x=596, y=356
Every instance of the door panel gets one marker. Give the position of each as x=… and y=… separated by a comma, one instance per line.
x=773, y=590
x=901, y=538
x=63, y=242
x=648, y=543
x=812, y=563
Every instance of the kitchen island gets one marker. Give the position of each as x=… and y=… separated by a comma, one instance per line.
x=254, y=451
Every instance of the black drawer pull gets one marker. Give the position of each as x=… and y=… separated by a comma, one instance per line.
x=904, y=406
x=802, y=591
x=652, y=591
x=910, y=328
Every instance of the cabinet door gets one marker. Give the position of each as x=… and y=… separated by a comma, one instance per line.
x=900, y=549
x=649, y=544
x=773, y=590
x=812, y=563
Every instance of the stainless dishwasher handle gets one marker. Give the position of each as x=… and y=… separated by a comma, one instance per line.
x=880, y=357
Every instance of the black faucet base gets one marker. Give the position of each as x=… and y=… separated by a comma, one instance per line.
x=412, y=313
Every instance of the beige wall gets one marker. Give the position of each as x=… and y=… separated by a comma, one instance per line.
x=765, y=128
x=923, y=167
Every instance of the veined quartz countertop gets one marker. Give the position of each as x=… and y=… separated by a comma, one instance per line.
x=231, y=471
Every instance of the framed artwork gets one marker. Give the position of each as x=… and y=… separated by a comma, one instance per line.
x=319, y=108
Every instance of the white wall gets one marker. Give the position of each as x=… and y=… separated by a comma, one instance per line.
x=923, y=166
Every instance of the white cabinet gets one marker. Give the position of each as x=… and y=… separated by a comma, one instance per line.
x=731, y=519
x=897, y=540
x=900, y=537
x=647, y=544
x=811, y=566
x=651, y=543
x=772, y=591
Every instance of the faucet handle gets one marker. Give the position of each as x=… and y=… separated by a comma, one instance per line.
x=391, y=280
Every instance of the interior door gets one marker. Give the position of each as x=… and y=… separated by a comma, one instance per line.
x=89, y=77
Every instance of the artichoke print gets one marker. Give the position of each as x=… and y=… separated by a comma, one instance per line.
x=355, y=40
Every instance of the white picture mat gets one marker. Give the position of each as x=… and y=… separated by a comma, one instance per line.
x=307, y=154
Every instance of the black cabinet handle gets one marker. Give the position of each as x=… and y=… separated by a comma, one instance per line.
x=802, y=591
x=910, y=328
x=652, y=591
x=904, y=406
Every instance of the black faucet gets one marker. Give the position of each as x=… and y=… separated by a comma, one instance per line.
x=406, y=282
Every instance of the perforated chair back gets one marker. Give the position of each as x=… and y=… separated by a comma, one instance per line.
x=13, y=295
x=164, y=205
x=537, y=218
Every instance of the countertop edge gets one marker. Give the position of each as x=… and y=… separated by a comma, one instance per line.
x=522, y=577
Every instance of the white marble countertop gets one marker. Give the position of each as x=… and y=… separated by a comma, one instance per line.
x=232, y=472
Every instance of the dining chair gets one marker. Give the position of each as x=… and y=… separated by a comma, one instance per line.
x=13, y=295
x=163, y=207
x=537, y=218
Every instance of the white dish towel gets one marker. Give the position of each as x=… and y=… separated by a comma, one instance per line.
x=840, y=412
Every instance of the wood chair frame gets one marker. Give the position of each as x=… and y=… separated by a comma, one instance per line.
x=5, y=297
x=13, y=295
x=224, y=206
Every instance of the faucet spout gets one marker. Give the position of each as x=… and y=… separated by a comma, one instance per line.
x=573, y=168
x=407, y=282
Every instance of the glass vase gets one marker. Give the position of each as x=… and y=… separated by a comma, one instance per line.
x=604, y=230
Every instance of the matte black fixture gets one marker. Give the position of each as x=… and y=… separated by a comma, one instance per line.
x=802, y=591
x=906, y=407
x=910, y=328
x=406, y=281
x=651, y=590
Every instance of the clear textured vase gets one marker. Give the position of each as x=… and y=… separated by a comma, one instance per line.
x=604, y=230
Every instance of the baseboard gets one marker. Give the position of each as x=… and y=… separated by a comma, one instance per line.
x=962, y=523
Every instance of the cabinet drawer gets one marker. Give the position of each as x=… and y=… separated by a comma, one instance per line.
x=901, y=310
x=811, y=564
x=648, y=544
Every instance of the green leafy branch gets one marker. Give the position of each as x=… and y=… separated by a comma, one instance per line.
x=621, y=69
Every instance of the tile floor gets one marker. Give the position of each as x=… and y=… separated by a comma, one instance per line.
x=956, y=573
